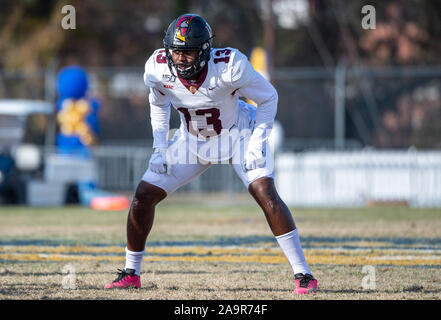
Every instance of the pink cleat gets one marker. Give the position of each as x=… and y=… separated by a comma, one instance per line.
x=126, y=279
x=305, y=283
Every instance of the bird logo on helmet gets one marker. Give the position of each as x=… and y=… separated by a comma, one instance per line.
x=188, y=32
x=182, y=27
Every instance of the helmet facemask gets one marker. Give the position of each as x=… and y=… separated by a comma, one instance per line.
x=191, y=69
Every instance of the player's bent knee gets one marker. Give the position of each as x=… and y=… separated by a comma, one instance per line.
x=264, y=191
x=262, y=186
x=148, y=193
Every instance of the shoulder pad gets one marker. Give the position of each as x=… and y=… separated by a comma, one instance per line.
x=241, y=69
x=230, y=63
x=220, y=59
x=155, y=67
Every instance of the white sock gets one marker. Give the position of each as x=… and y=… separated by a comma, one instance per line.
x=133, y=260
x=290, y=244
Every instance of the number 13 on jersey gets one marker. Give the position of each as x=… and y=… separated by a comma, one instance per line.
x=207, y=121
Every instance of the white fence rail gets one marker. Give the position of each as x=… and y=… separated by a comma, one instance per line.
x=358, y=177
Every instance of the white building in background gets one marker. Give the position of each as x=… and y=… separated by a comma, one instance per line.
x=352, y=179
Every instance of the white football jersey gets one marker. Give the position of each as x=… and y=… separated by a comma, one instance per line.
x=209, y=105
x=211, y=102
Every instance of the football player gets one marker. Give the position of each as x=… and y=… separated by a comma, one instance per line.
x=204, y=85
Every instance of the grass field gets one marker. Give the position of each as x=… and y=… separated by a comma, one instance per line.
x=215, y=250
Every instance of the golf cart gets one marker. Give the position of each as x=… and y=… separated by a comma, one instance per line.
x=20, y=162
